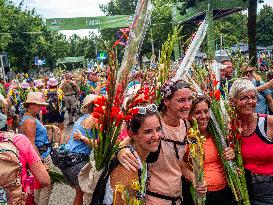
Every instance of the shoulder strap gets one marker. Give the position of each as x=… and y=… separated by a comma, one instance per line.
x=175, y=143
x=9, y=137
x=187, y=125
x=262, y=129
x=99, y=192
x=24, y=118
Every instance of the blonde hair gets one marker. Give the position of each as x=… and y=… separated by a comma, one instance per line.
x=241, y=85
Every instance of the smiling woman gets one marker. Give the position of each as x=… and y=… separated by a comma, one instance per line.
x=218, y=189
x=122, y=185
x=256, y=142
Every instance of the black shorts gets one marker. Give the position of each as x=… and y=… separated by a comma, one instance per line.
x=53, y=117
x=71, y=174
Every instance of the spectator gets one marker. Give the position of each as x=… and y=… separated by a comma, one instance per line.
x=264, y=101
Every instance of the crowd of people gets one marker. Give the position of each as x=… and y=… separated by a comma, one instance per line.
x=153, y=143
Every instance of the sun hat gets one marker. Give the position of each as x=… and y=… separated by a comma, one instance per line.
x=38, y=83
x=25, y=85
x=52, y=82
x=14, y=83
x=36, y=98
x=87, y=101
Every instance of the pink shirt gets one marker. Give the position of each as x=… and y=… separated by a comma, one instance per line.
x=165, y=174
x=27, y=154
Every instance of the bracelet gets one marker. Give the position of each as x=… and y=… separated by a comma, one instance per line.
x=123, y=147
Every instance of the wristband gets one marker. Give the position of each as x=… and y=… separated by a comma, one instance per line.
x=123, y=147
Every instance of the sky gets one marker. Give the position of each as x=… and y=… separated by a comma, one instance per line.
x=74, y=8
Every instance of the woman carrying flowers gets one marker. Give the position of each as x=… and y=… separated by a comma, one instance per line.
x=256, y=137
x=129, y=186
x=165, y=184
x=218, y=190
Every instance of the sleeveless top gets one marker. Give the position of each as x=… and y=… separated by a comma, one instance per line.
x=78, y=146
x=257, y=150
x=213, y=167
x=41, y=137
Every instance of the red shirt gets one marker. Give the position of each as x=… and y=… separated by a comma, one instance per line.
x=257, y=150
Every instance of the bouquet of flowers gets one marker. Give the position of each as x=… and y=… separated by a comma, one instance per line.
x=107, y=111
x=220, y=127
x=196, y=142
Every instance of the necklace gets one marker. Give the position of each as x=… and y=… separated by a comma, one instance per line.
x=249, y=126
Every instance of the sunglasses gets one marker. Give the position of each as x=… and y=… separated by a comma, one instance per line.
x=143, y=109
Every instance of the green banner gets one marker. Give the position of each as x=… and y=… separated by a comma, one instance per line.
x=118, y=21
x=78, y=59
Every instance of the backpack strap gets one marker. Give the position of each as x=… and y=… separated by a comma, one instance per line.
x=175, y=144
x=262, y=129
x=187, y=125
x=99, y=192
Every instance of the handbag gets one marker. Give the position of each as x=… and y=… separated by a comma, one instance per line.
x=63, y=158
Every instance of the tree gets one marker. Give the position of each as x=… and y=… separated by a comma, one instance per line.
x=252, y=18
x=24, y=36
x=158, y=30
x=228, y=28
x=265, y=26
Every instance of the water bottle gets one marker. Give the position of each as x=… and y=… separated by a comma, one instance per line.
x=28, y=188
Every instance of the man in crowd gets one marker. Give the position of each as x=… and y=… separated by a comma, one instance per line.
x=71, y=91
x=264, y=101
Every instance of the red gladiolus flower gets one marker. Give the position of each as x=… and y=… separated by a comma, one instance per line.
x=96, y=115
x=100, y=101
x=215, y=83
x=114, y=112
x=119, y=118
x=217, y=94
x=128, y=117
x=134, y=111
x=238, y=136
x=99, y=110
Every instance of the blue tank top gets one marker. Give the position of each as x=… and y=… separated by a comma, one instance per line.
x=41, y=137
x=78, y=146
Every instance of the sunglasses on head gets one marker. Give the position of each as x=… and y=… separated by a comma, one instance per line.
x=143, y=109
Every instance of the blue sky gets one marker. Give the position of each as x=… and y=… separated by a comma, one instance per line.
x=73, y=8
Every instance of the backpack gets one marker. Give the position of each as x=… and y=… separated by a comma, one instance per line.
x=10, y=172
x=53, y=101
